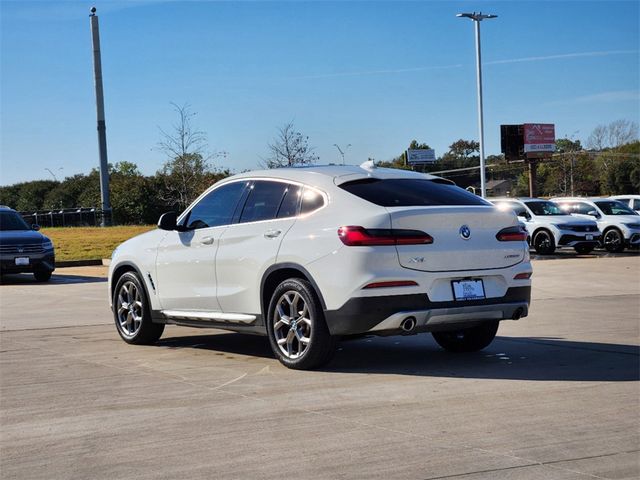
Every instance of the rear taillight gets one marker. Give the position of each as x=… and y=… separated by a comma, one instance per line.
x=362, y=237
x=512, y=234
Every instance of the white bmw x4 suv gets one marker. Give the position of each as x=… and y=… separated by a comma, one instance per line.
x=308, y=255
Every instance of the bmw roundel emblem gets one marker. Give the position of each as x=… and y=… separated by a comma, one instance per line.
x=465, y=232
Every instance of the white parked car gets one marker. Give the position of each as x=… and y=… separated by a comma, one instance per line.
x=549, y=227
x=631, y=201
x=307, y=255
x=620, y=226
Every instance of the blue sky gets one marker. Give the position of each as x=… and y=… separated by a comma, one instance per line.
x=372, y=74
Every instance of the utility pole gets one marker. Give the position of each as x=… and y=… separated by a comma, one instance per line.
x=102, y=128
x=477, y=18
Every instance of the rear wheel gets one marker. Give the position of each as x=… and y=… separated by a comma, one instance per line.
x=543, y=243
x=613, y=241
x=467, y=339
x=132, y=313
x=298, y=334
x=583, y=249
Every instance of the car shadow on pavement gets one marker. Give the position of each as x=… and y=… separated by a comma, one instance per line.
x=507, y=358
x=56, y=279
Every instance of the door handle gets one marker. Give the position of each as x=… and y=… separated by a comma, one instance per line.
x=207, y=240
x=272, y=233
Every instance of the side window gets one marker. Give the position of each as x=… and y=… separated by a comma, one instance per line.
x=636, y=204
x=216, y=208
x=263, y=202
x=289, y=205
x=311, y=200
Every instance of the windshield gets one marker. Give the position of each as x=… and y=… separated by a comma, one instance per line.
x=12, y=221
x=542, y=207
x=613, y=207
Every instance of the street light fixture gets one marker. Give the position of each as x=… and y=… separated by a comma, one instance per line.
x=340, y=150
x=477, y=18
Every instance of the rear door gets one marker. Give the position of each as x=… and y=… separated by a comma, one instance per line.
x=249, y=247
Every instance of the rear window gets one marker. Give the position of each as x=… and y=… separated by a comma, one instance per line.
x=410, y=192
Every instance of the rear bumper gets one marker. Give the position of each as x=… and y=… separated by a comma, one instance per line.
x=385, y=314
x=42, y=261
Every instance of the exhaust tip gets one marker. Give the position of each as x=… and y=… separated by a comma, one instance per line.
x=408, y=324
x=517, y=314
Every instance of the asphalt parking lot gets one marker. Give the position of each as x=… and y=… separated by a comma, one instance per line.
x=556, y=396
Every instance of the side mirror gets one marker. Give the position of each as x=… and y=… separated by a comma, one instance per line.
x=593, y=213
x=524, y=215
x=167, y=221
x=35, y=227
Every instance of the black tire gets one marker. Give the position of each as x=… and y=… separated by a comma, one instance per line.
x=583, y=249
x=319, y=346
x=42, y=275
x=468, y=339
x=543, y=242
x=146, y=332
x=613, y=240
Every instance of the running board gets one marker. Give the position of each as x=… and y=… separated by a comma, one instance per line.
x=214, y=316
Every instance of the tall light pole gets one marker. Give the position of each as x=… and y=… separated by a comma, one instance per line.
x=477, y=18
x=340, y=150
x=102, y=128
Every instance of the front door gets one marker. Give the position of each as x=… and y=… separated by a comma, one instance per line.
x=185, y=265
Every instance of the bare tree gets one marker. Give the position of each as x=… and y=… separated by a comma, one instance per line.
x=186, y=170
x=289, y=148
x=613, y=135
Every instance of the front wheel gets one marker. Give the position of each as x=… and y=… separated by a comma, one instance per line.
x=132, y=313
x=613, y=241
x=467, y=339
x=543, y=243
x=42, y=275
x=298, y=333
x=583, y=249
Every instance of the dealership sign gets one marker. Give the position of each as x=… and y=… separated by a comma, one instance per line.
x=424, y=155
x=539, y=137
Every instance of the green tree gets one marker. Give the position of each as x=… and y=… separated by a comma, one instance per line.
x=622, y=172
x=32, y=194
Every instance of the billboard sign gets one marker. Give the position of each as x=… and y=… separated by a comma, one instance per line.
x=420, y=156
x=539, y=138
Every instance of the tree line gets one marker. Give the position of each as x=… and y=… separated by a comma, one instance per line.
x=610, y=164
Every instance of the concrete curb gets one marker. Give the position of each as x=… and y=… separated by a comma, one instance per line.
x=83, y=263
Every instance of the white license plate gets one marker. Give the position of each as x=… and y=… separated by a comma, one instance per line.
x=589, y=237
x=468, y=289
x=22, y=260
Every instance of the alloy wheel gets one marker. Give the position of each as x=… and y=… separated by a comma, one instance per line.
x=292, y=324
x=130, y=309
x=612, y=240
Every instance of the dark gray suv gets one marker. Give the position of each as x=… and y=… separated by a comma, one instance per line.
x=23, y=248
